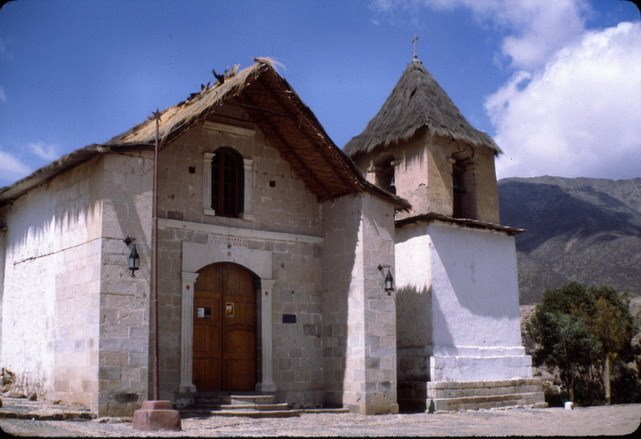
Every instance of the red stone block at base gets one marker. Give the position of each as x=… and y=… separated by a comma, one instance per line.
x=156, y=415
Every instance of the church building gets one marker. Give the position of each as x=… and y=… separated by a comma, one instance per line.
x=375, y=278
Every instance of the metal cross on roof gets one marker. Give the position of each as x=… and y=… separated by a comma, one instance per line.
x=414, y=40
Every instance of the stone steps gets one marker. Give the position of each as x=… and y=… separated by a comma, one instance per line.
x=474, y=395
x=486, y=402
x=251, y=399
x=470, y=395
x=288, y=413
x=266, y=407
x=249, y=405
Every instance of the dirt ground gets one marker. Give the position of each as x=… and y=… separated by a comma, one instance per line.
x=613, y=420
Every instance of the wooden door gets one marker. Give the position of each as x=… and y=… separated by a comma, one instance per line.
x=224, y=354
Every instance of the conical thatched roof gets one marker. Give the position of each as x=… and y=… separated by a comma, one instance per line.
x=417, y=101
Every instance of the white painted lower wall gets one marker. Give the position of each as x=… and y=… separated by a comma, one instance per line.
x=50, y=302
x=461, y=285
x=2, y=262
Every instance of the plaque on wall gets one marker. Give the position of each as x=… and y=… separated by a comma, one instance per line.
x=203, y=313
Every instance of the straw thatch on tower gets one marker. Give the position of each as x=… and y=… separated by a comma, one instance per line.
x=417, y=101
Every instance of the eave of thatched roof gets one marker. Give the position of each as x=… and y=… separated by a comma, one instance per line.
x=417, y=101
x=273, y=106
x=464, y=222
x=49, y=171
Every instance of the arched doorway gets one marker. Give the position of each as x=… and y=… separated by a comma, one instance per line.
x=224, y=344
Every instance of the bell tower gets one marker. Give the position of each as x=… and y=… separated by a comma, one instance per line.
x=457, y=298
x=421, y=143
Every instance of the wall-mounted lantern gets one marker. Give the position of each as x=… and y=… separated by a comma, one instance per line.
x=388, y=278
x=134, y=259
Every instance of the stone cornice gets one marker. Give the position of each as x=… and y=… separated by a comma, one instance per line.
x=259, y=235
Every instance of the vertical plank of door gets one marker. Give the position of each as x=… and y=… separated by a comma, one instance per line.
x=239, y=331
x=207, y=346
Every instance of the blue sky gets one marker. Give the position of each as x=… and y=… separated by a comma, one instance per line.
x=558, y=84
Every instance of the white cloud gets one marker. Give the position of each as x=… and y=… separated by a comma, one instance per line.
x=44, y=151
x=3, y=96
x=580, y=115
x=535, y=29
x=11, y=168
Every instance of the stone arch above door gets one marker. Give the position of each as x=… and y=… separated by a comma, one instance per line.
x=196, y=256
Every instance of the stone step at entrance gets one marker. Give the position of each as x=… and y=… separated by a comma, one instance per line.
x=252, y=405
x=240, y=399
x=255, y=406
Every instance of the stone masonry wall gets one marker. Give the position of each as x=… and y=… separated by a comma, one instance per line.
x=284, y=206
x=279, y=200
x=410, y=171
x=379, y=307
x=359, y=327
x=342, y=262
x=51, y=284
x=297, y=348
x=423, y=175
x=126, y=183
x=296, y=267
x=440, y=178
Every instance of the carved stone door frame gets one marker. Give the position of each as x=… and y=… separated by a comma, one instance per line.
x=197, y=256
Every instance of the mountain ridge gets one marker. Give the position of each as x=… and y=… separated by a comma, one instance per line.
x=582, y=229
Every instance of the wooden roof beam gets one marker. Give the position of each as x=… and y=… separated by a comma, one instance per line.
x=331, y=162
x=306, y=174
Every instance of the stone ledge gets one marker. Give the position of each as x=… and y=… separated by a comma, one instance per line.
x=492, y=398
x=257, y=413
x=42, y=410
x=479, y=384
x=61, y=416
x=534, y=399
x=482, y=391
x=453, y=395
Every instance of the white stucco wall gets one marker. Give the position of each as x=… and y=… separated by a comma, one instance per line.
x=475, y=310
x=2, y=262
x=413, y=282
x=413, y=302
x=474, y=276
x=75, y=323
x=51, y=281
x=457, y=306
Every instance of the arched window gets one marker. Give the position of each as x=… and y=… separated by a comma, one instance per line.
x=227, y=182
x=385, y=173
x=463, y=190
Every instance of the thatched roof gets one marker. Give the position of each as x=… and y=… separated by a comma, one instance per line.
x=417, y=101
x=49, y=171
x=272, y=105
